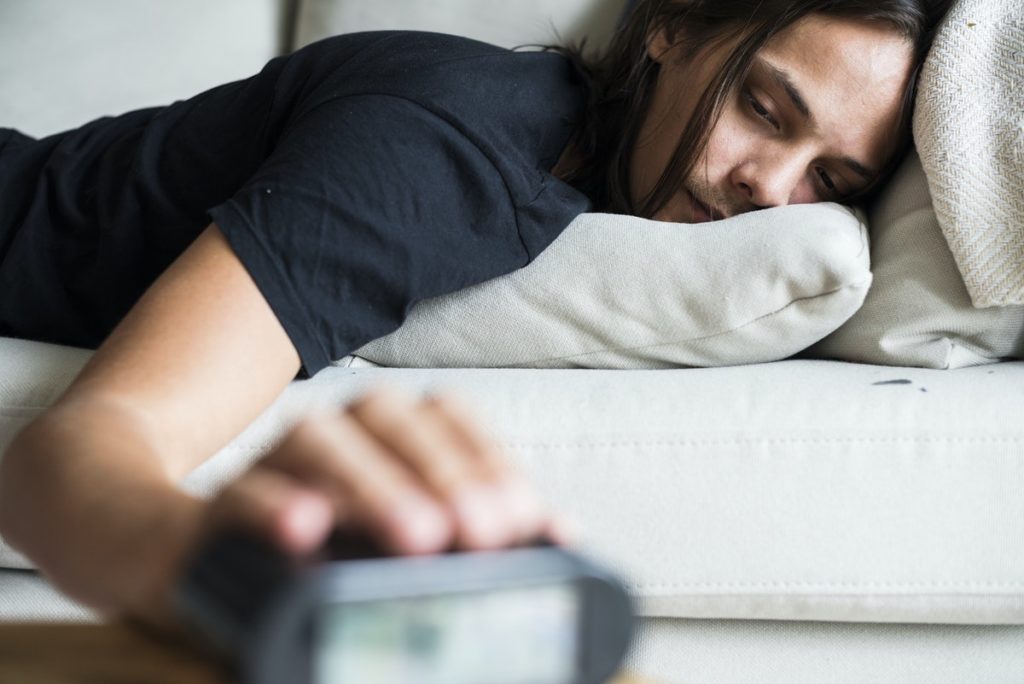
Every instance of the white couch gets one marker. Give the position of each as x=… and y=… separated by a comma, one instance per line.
x=797, y=521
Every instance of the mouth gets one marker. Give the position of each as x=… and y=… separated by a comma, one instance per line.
x=702, y=212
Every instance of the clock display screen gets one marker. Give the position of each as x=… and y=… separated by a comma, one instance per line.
x=512, y=636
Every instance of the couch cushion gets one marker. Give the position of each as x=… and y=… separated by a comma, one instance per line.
x=26, y=596
x=65, y=63
x=624, y=292
x=809, y=490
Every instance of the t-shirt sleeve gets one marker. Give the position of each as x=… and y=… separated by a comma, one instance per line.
x=366, y=205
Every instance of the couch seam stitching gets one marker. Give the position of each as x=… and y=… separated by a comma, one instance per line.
x=760, y=440
x=934, y=584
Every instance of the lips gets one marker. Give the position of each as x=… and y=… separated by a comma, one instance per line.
x=702, y=213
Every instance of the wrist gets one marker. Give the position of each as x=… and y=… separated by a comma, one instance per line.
x=85, y=495
x=153, y=550
x=109, y=535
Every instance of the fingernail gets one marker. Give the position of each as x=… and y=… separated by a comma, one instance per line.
x=307, y=520
x=565, y=529
x=524, y=501
x=477, y=510
x=424, y=524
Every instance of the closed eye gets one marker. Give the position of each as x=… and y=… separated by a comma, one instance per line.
x=760, y=110
x=831, y=191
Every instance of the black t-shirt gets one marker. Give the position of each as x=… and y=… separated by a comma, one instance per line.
x=353, y=178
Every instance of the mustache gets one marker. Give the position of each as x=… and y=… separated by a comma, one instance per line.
x=716, y=204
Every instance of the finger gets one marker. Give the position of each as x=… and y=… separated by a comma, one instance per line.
x=336, y=453
x=414, y=433
x=522, y=504
x=467, y=426
x=275, y=507
x=562, y=529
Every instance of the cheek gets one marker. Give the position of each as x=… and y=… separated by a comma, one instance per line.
x=730, y=144
x=805, y=193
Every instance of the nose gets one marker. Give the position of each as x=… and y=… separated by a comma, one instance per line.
x=770, y=178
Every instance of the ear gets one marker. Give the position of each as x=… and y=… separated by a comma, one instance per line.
x=659, y=43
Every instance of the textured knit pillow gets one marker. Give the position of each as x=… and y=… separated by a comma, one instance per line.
x=624, y=292
x=969, y=127
x=918, y=312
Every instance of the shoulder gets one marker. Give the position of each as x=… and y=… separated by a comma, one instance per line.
x=383, y=51
x=435, y=94
x=420, y=66
x=379, y=61
x=449, y=75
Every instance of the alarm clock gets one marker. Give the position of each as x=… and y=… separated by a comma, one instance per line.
x=532, y=614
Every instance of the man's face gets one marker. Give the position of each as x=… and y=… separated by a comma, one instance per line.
x=814, y=120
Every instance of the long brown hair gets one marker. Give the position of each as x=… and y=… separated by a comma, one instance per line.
x=622, y=77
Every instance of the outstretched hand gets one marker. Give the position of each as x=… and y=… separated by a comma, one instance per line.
x=419, y=475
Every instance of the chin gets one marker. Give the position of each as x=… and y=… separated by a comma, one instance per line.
x=680, y=208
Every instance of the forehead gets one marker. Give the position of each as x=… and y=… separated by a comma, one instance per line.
x=852, y=75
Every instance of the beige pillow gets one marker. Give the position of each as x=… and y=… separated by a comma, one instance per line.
x=918, y=312
x=618, y=291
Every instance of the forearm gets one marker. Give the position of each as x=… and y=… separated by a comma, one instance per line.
x=85, y=495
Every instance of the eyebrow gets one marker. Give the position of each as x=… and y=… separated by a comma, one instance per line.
x=782, y=79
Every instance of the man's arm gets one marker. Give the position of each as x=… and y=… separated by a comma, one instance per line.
x=87, y=489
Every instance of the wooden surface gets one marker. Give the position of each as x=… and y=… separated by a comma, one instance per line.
x=64, y=653
x=109, y=654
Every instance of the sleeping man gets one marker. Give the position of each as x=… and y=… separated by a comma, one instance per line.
x=215, y=249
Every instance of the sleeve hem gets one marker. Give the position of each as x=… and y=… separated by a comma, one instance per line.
x=259, y=261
